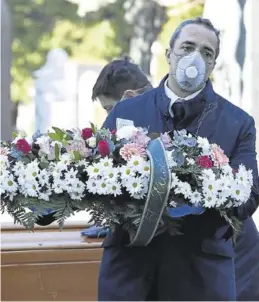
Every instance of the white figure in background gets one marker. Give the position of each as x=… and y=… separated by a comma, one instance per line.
x=227, y=74
x=50, y=86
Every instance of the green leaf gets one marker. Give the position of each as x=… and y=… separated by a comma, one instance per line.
x=53, y=136
x=57, y=151
x=94, y=128
x=77, y=156
x=26, y=160
x=14, y=135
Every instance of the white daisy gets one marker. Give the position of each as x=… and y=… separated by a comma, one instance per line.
x=174, y=180
x=111, y=175
x=106, y=163
x=18, y=168
x=92, y=185
x=127, y=171
x=196, y=198
x=10, y=185
x=43, y=177
x=134, y=185
x=204, y=144
x=94, y=170
x=137, y=163
x=114, y=189
x=190, y=161
x=185, y=189
x=4, y=161
x=210, y=201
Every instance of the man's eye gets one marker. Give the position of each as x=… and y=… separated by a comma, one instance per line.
x=208, y=55
x=187, y=48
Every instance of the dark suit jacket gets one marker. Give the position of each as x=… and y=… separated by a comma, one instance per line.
x=198, y=265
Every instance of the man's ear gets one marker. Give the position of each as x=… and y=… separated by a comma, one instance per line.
x=167, y=55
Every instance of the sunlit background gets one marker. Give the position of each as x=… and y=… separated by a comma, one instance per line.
x=58, y=47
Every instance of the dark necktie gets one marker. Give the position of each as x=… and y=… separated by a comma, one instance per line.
x=178, y=111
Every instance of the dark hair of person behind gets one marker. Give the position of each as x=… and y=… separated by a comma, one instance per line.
x=117, y=77
x=200, y=21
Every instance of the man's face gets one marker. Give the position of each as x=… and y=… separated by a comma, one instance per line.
x=194, y=38
x=107, y=103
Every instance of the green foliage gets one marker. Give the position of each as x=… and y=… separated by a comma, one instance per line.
x=39, y=25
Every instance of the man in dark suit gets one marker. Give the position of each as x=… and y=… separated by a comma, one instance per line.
x=200, y=264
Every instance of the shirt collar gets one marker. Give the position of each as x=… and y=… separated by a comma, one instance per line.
x=174, y=98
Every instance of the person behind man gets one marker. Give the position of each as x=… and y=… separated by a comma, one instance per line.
x=115, y=79
x=198, y=265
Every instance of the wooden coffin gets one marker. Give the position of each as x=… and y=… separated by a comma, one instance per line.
x=49, y=265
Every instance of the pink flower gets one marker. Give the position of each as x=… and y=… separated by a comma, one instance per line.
x=140, y=138
x=87, y=133
x=3, y=151
x=23, y=145
x=204, y=162
x=166, y=140
x=218, y=156
x=128, y=150
x=103, y=148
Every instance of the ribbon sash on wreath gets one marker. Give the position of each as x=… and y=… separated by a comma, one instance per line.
x=158, y=194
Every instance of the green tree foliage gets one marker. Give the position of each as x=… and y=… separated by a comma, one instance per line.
x=39, y=25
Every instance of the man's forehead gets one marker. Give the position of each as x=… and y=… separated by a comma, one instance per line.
x=197, y=32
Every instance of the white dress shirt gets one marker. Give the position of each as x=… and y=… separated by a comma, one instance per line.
x=175, y=98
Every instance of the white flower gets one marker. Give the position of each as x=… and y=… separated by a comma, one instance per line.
x=134, y=185
x=18, y=168
x=92, y=185
x=82, y=162
x=127, y=172
x=185, y=189
x=239, y=193
x=208, y=174
x=173, y=204
x=204, y=144
x=94, y=170
x=31, y=189
x=174, y=180
x=10, y=185
x=126, y=132
x=244, y=177
x=106, y=163
x=111, y=175
x=196, y=198
x=31, y=171
x=190, y=161
x=71, y=175
x=146, y=169
x=114, y=189
x=43, y=177
x=170, y=160
x=210, y=201
x=210, y=187
x=66, y=158
x=91, y=142
x=58, y=185
x=4, y=161
x=137, y=163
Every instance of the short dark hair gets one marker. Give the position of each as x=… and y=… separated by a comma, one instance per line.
x=117, y=77
x=200, y=21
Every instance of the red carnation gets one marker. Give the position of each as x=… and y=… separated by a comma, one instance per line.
x=113, y=131
x=87, y=133
x=204, y=162
x=23, y=145
x=103, y=148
